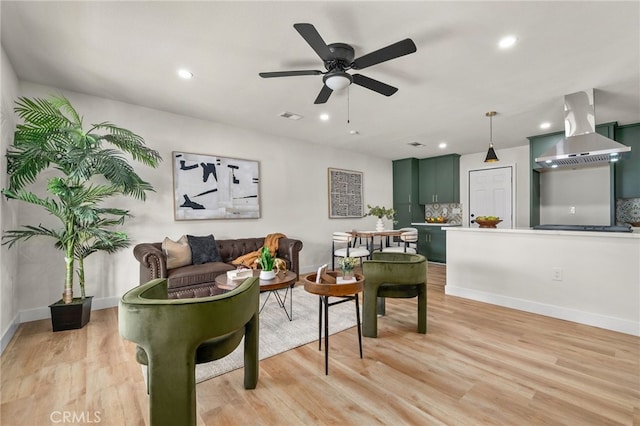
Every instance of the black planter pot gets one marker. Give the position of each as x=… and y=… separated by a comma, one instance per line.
x=71, y=315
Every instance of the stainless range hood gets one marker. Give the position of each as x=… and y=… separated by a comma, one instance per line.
x=582, y=145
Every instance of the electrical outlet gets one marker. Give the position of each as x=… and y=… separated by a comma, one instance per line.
x=556, y=273
x=572, y=210
x=456, y=210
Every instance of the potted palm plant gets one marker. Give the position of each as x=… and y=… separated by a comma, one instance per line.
x=52, y=137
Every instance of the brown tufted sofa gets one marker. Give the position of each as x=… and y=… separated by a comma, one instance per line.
x=199, y=280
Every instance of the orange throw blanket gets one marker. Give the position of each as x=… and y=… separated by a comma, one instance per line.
x=249, y=259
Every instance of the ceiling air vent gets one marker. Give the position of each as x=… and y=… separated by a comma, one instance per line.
x=290, y=115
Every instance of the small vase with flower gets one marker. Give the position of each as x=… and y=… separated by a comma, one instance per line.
x=347, y=266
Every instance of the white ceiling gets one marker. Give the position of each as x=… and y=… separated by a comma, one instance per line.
x=130, y=51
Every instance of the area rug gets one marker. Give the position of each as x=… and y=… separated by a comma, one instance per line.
x=278, y=334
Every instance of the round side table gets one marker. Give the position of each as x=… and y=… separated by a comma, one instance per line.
x=345, y=292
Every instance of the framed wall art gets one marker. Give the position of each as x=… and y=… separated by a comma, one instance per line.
x=345, y=193
x=214, y=187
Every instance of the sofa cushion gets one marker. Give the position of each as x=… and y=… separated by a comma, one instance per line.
x=203, y=249
x=178, y=253
x=196, y=274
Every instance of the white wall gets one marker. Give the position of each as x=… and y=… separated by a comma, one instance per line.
x=587, y=190
x=8, y=211
x=293, y=185
x=517, y=157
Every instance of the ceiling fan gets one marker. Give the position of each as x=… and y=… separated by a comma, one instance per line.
x=338, y=58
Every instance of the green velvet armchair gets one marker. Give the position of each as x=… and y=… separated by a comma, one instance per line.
x=175, y=334
x=393, y=275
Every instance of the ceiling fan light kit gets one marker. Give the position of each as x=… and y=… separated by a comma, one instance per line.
x=491, y=153
x=338, y=58
x=338, y=80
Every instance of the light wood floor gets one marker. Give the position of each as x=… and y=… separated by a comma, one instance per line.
x=478, y=364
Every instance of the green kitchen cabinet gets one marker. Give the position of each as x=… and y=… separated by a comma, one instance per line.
x=432, y=243
x=405, y=193
x=627, y=172
x=439, y=179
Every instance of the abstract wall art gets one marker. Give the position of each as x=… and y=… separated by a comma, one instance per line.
x=214, y=187
x=345, y=193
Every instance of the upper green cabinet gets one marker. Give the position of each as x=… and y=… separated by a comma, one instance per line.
x=405, y=180
x=440, y=179
x=628, y=171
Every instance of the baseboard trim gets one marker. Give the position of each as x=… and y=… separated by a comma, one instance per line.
x=8, y=335
x=36, y=314
x=554, y=311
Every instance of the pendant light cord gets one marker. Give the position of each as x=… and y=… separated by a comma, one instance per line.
x=491, y=129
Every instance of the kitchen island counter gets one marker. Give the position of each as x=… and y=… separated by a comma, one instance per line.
x=587, y=277
x=635, y=234
x=446, y=224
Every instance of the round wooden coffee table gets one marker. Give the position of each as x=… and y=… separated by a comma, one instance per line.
x=282, y=281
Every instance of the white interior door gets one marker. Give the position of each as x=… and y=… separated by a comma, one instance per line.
x=491, y=194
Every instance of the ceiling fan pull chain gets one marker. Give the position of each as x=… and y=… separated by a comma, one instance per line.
x=348, y=106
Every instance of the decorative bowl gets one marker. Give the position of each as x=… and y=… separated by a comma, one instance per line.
x=436, y=220
x=486, y=223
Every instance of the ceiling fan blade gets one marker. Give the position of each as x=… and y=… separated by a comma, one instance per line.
x=395, y=50
x=288, y=73
x=324, y=94
x=311, y=36
x=375, y=85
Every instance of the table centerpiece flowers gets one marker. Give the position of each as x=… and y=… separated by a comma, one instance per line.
x=381, y=212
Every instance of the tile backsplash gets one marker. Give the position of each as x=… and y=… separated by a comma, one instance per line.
x=627, y=210
x=445, y=210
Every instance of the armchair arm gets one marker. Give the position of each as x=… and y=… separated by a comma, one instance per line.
x=153, y=264
x=289, y=250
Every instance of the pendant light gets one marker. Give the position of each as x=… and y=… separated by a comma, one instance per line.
x=491, y=154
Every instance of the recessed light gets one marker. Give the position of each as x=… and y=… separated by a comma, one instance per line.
x=184, y=73
x=545, y=125
x=442, y=145
x=324, y=117
x=507, y=42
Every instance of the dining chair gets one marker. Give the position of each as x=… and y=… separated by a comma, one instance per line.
x=407, y=242
x=342, y=247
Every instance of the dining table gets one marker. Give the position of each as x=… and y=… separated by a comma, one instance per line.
x=385, y=235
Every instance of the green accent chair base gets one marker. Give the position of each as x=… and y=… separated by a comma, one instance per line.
x=173, y=335
x=395, y=275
